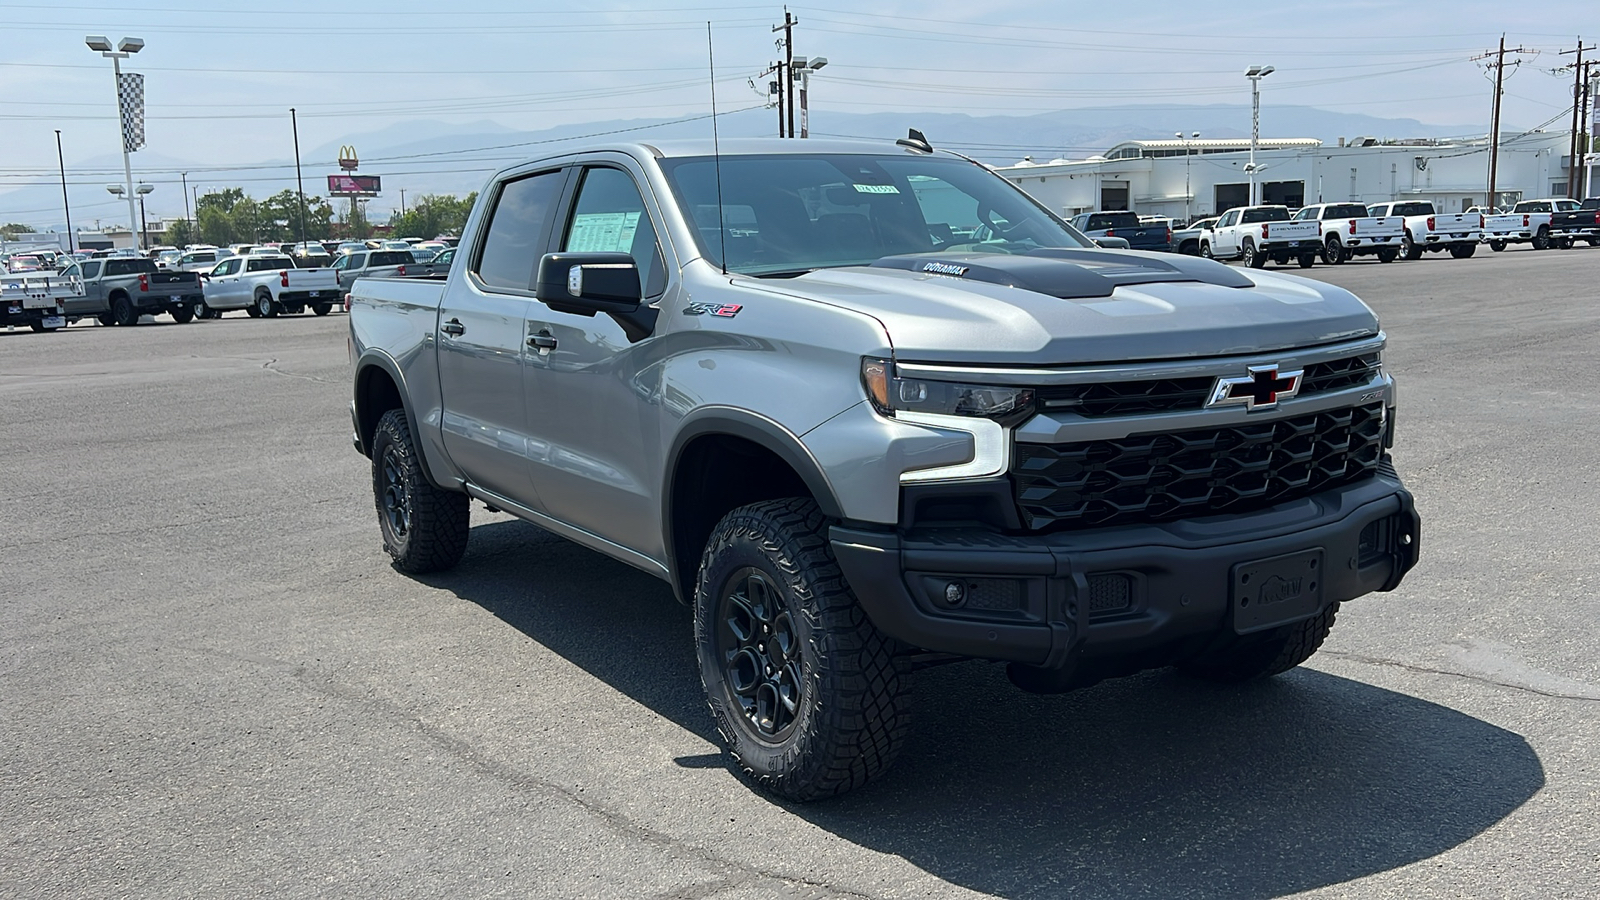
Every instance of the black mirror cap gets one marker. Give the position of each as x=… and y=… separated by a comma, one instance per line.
x=587, y=283
x=1113, y=243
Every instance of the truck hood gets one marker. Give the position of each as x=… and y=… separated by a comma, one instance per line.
x=1070, y=307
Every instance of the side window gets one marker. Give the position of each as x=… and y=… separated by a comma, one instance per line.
x=92, y=269
x=515, y=239
x=1228, y=219
x=610, y=217
x=1307, y=213
x=356, y=261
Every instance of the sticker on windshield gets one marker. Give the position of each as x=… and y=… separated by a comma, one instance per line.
x=876, y=189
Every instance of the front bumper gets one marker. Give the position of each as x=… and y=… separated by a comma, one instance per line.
x=1142, y=592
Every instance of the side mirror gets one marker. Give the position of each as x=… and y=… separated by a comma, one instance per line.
x=1113, y=243
x=589, y=283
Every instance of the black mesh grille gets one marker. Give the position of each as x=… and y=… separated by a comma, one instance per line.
x=1155, y=477
x=1109, y=594
x=1131, y=398
x=994, y=594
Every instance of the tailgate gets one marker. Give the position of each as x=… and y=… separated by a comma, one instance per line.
x=1291, y=231
x=1384, y=226
x=313, y=280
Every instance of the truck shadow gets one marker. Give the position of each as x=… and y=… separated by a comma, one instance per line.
x=1154, y=786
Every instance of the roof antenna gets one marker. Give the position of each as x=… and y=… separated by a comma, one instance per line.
x=915, y=140
x=716, y=153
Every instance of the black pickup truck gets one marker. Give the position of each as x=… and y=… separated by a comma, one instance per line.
x=1124, y=225
x=1583, y=223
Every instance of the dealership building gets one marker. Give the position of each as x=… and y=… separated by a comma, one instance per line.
x=1188, y=179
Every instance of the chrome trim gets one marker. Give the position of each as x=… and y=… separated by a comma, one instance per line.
x=1222, y=391
x=1187, y=368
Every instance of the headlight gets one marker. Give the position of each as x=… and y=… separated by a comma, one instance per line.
x=890, y=393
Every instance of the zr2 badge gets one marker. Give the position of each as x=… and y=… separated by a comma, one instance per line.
x=724, y=310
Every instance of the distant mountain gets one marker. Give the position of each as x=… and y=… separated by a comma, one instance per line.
x=423, y=157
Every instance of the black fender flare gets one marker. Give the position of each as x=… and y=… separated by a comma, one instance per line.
x=757, y=429
x=364, y=368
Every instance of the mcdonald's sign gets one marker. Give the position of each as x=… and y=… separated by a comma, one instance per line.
x=347, y=158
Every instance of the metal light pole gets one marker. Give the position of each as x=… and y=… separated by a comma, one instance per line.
x=1255, y=74
x=802, y=70
x=298, y=180
x=1188, y=192
x=124, y=49
x=72, y=242
x=144, y=230
x=186, y=219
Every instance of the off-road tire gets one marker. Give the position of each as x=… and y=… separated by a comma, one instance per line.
x=1333, y=251
x=436, y=521
x=321, y=309
x=852, y=712
x=1307, y=260
x=1252, y=257
x=183, y=315
x=123, y=312
x=1497, y=246
x=1249, y=657
x=265, y=307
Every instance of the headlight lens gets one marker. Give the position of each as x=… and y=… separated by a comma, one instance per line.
x=889, y=393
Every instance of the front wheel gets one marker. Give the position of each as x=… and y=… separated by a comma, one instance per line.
x=1333, y=251
x=1463, y=251
x=1307, y=260
x=1205, y=250
x=183, y=315
x=424, y=527
x=806, y=692
x=1388, y=255
x=1255, y=656
x=1497, y=246
x=322, y=309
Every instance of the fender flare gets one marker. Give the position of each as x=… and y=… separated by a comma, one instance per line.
x=757, y=429
x=382, y=362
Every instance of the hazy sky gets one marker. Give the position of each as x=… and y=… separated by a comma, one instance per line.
x=220, y=77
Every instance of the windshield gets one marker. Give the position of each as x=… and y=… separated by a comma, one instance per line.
x=791, y=213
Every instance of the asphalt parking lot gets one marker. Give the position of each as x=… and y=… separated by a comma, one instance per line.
x=213, y=684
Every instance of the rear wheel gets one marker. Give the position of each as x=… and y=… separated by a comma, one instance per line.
x=424, y=527
x=1307, y=260
x=123, y=312
x=806, y=692
x=1251, y=257
x=1249, y=657
x=1409, y=248
x=265, y=308
x=322, y=309
x=1333, y=251
x=1497, y=246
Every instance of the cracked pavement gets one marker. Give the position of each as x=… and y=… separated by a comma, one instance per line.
x=212, y=684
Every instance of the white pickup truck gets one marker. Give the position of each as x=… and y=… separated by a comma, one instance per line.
x=1430, y=231
x=36, y=299
x=1255, y=234
x=1348, y=229
x=1527, y=223
x=265, y=286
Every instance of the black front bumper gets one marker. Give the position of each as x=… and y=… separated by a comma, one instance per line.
x=1138, y=591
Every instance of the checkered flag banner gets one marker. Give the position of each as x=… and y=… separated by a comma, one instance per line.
x=130, y=96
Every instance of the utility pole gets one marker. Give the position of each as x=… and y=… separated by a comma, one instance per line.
x=300, y=184
x=72, y=243
x=402, y=201
x=786, y=97
x=1579, y=83
x=186, y=219
x=1499, y=66
x=776, y=87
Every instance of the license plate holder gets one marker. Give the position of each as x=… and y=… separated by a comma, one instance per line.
x=55, y=322
x=1270, y=592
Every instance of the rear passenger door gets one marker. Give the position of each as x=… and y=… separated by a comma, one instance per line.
x=481, y=338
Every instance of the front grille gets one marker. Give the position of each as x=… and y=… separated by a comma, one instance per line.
x=1109, y=594
x=1157, y=477
x=1131, y=398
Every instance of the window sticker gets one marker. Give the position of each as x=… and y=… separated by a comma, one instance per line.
x=603, y=232
x=876, y=189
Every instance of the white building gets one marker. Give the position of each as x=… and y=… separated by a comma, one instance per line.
x=1188, y=179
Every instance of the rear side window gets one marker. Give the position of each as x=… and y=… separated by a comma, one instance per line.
x=1346, y=211
x=92, y=269
x=393, y=258
x=1413, y=209
x=267, y=264
x=517, y=230
x=130, y=266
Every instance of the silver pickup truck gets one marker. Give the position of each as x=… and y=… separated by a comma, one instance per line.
x=118, y=290
x=868, y=407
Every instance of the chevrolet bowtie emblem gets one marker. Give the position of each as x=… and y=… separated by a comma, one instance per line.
x=1261, y=389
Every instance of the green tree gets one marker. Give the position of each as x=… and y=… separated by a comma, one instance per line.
x=181, y=233
x=281, y=217
x=356, y=225
x=10, y=230
x=434, y=215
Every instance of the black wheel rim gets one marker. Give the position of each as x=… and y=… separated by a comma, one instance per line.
x=396, y=496
x=760, y=653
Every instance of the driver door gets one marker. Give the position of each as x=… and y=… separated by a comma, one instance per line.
x=1225, y=238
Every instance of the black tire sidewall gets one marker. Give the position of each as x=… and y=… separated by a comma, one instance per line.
x=382, y=439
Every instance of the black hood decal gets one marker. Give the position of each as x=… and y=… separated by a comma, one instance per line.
x=1069, y=274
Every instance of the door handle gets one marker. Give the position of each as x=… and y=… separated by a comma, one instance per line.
x=544, y=340
x=453, y=328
